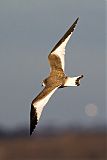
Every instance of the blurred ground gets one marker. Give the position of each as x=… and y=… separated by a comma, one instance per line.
x=62, y=146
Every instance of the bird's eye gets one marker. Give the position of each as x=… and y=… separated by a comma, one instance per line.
x=43, y=83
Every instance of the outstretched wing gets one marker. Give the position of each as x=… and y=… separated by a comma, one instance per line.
x=56, y=56
x=38, y=104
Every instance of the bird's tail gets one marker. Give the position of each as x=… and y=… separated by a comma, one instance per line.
x=73, y=81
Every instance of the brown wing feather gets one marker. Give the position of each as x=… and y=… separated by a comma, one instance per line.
x=56, y=57
x=55, y=62
x=43, y=93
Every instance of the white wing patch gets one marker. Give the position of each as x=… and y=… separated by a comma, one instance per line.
x=60, y=51
x=39, y=105
x=59, y=48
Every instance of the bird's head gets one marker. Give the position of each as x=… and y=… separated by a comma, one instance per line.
x=43, y=83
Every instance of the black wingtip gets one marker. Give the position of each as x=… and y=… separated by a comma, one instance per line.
x=76, y=21
x=71, y=29
x=33, y=119
x=77, y=18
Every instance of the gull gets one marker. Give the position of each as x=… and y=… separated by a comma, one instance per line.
x=56, y=79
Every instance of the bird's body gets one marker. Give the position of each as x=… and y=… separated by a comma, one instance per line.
x=56, y=79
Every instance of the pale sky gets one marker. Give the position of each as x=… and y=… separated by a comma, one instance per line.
x=28, y=31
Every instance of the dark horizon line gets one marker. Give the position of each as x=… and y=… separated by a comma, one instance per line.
x=50, y=131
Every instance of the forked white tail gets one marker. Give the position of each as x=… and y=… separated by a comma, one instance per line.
x=73, y=81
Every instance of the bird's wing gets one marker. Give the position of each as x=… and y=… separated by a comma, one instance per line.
x=38, y=104
x=56, y=56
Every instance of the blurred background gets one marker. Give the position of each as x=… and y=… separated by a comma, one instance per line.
x=73, y=124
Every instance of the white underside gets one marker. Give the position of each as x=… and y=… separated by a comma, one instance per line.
x=71, y=81
x=60, y=51
x=39, y=105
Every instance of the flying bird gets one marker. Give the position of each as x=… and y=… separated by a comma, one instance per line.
x=56, y=79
